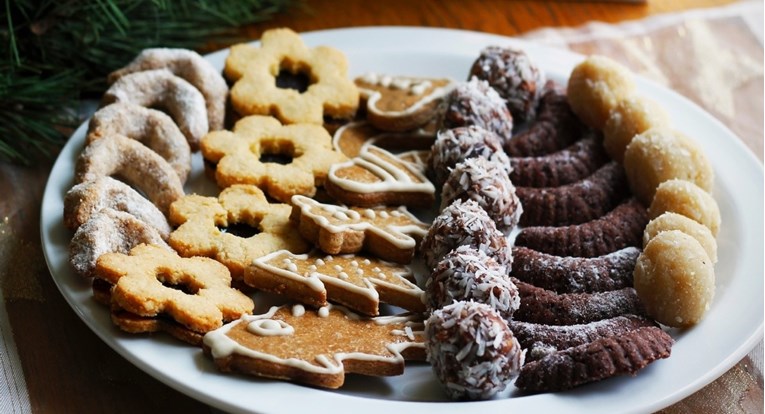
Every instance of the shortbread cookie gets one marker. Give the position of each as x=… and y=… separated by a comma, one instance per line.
x=160, y=88
x=485, y=182
x=475, y=102
x=142, y=168
x=452, y=146
x=468, y=274
x=155, y=282
x=542, y=340
x=624, y=354
x=575, y=274
x=240, y=157
x=256, y=72
x=377, y=177
x=619, y=228
x=675, y=279
x=391, y=234
x=357, y=282
x=473, y=352
x=190, y=66
x=318, y=347
x=688, y=199
x=516, y=78
x=149, y=126
x=577, y=202
x=660, y=154
x=546, y=307
x=401, y=103
x=673, y=221
x=236, y=227
x=108, y=230
x=85, y=199
x=352, y=137
x=596, y=86
x=631, y=116
x=464, y=223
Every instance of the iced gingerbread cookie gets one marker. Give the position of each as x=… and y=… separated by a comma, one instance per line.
x=391, y=234
x=351, y=138
x=688, y=199
x=153, y=283
x=316, y=348
x=401, y=103
x=357, y=282
x=236, y=227
x=303, y=155
x=596, y=86
x=324, y=89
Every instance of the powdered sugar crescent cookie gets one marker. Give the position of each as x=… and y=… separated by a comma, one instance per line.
x=256, y=69
x=316, y=347
x=391, y=234
x=190, y=66
x=160, y=88
x=152, y=281
x=401, y=103
x=234, y=228
x=377, y=177
x=241, y=156
x=149, y=126
x=350, y=138
x=358, y=282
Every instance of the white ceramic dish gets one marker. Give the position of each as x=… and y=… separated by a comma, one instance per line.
x=732, y=327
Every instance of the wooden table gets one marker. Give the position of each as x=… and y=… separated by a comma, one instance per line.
x=68, y=369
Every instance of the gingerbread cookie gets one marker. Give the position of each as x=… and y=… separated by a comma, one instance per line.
x=351, y=138
x=235, y=228
x=316, y=347
x=241, y=156
x=377, y=177
x=153, y=282
x=256, y=70
x=358, y=282
x=401, y=103
x=391, y=234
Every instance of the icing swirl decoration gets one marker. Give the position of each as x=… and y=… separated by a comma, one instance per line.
x=270, y=327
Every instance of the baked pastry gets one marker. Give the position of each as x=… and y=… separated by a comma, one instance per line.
x=475, y=102
x=452, y=146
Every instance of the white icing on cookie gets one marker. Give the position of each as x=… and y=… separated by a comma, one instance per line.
x=270, y=327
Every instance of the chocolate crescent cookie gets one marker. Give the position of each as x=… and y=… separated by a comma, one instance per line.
x=604, y=358
x=575, y=274
x=541, y=340
x=555, y=128
x=574, y=163
x=620, y=228
x=547, y=307
x=577, y=202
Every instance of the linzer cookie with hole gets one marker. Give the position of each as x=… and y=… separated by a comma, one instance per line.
x=401, y=103
x=316, y=347
x=389, y=233
x=152, y=283
x=283, y=160
x=234, y=228
x=355, y=281
x=324, y=91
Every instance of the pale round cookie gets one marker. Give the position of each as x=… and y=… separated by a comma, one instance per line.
x=631, y=116
x=662, y=154
x=688, y=199
x=675, y=279
x=596, y=86
x=673, y=221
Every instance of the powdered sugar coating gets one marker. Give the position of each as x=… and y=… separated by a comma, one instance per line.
x=487, y=183
x=469, y=274
x=514, y=76
x=453, y=146
x=464, y=223
x=475, y=102
x=473, y=352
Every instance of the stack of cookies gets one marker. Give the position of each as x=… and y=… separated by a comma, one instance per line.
x=541, y=257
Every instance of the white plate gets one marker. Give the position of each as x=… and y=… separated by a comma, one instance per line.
x=732, y=327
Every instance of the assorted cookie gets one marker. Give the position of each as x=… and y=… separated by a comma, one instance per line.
x=569, y=222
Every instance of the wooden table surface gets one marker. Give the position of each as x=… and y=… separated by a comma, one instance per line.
x=68, y=369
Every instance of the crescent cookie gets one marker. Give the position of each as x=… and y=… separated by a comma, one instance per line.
x=241, y=156
x=255, y=70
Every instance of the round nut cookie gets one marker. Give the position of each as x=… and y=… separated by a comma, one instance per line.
x=631, y=116
x=688, y=199
x=673, y=221
x=596, y=86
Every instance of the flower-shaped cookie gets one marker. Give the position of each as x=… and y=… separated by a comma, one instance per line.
x=242, y=156
x=256, y=70
x=237, y=227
